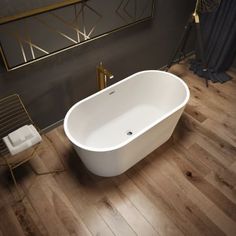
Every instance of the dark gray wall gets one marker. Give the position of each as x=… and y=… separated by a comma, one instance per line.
x=234, y=63
x=51, y=86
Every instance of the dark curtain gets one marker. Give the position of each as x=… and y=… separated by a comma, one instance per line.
x=219, y=38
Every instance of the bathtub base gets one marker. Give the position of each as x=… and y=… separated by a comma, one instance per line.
x=117, y=161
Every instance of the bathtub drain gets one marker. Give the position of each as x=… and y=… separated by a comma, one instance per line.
x=129, y=133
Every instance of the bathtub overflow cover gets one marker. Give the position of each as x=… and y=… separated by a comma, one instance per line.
x=129, y=133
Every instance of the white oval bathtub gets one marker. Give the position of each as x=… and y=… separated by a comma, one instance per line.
x=118, y=126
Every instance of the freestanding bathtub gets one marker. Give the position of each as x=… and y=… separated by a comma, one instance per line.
x=120, y=125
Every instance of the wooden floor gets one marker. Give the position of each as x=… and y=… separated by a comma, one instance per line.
x=185, y=187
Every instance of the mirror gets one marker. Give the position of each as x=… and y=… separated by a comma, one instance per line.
x=30, y=33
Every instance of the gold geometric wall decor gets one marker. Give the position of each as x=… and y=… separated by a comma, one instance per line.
x=28, y=35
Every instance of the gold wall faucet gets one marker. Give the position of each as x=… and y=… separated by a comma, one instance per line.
x=102, y=76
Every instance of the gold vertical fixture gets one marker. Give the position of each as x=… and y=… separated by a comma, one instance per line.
x=102, y=76
x=195, y=13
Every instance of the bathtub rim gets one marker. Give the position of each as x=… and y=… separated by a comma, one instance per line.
x=131, y=138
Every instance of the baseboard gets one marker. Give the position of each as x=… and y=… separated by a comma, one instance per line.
x=188, y=55
x=52, y=126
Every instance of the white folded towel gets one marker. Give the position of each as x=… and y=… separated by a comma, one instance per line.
x=22, y=139
x=20, y=135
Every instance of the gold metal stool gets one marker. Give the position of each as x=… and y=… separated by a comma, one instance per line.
x=14, y=115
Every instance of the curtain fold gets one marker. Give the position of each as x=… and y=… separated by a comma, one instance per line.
x=219, y=38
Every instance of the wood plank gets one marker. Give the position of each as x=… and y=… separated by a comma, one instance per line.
x=9, y=224
x=233, y=167
x=113, y=218
x=224, y=130
x=228, y=150
x=34, y=218
x=156, y=192
x=63, y=208
x=53, y=210
x=30, y=226
x=222, y=185
x=212, y=164
x=192, y=110
x=130, y=213
x=219, y=176
x=185, y=206
x=155, y=213
x=79, y=198
x=225, y=216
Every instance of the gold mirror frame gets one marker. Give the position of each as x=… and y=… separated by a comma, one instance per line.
x=130, y=18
